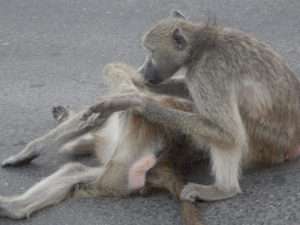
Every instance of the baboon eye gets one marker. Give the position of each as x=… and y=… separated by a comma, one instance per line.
x=179, y=41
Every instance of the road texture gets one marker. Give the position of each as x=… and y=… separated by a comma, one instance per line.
x=52, y=52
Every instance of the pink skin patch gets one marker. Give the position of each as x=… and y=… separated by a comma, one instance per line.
x=137, y=173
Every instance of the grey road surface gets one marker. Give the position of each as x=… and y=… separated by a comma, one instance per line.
x=52, y=52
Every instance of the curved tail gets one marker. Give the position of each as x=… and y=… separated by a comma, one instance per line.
x=189, y=213
x=164, y=176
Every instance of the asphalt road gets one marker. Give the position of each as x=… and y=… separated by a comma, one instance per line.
x=52, y=52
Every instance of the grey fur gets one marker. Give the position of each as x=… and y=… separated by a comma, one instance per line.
x=247, y=98
x=242, y=89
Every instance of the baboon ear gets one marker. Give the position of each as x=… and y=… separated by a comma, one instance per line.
x=179, y=41
x=177, y=14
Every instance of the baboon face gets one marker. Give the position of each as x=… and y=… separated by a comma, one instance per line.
x=167, y=49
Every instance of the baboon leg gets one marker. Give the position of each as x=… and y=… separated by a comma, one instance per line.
x=72, y=179
x=84, y=145
x=56, y=138
x=226, y=180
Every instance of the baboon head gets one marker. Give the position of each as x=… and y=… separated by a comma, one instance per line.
x=168, y=44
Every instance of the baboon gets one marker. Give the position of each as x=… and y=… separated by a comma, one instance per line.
x=127, y=146
x=245, y=95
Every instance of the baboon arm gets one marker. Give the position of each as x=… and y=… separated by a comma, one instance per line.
x=113, y=104
x=213, y=131
x=174, y=87
x=218, y=131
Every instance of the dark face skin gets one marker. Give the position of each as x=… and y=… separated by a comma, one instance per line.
x=167, y=50
x=166, y=54
x=159, y=65
x=150, y=73
x=162, y=63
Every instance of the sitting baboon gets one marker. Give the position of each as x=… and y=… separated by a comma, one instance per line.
x=126, y=145
x=247, y=100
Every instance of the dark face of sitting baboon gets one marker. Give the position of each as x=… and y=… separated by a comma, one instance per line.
x=168, y=49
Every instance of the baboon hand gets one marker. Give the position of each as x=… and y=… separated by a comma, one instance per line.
x=88, y=123
x=113, y=104
x=193, y=192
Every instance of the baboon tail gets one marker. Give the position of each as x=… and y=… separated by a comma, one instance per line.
x=189, y=213
x=165, y=176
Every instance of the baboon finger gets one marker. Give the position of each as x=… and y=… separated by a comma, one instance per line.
x=113, y=104
x=99, y=107
x=86, y=115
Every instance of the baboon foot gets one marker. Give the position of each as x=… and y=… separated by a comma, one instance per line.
x=17, y=160
x=192, y=192
x=8, y=210
x=60, y=113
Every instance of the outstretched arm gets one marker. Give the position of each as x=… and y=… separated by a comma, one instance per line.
x=189, y=123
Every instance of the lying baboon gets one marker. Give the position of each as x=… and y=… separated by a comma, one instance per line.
x=247, y=100
x=126, y=145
